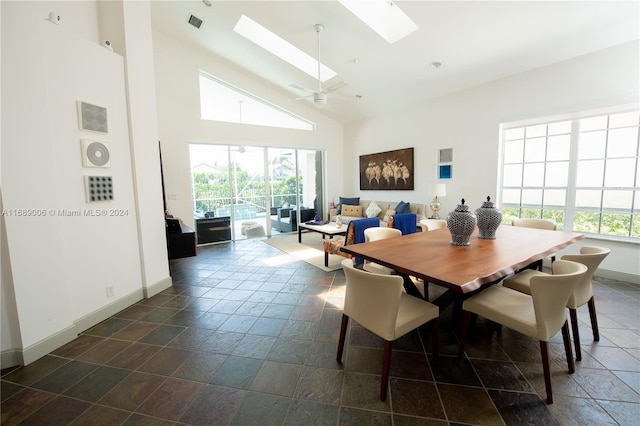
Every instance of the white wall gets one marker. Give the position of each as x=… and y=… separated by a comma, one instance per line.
x=469, y=121
x=144, y=135
x=60, y=266
x=177, y=69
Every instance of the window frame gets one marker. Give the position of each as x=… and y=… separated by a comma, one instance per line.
x=570, y=209
x=243, y=95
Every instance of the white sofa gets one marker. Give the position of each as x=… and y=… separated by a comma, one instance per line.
x=419, y=209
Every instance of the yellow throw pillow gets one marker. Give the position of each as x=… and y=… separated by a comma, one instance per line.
x=389, y=212
x=352, y=211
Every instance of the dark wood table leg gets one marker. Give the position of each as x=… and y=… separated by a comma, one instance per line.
x=450, y=297
x=444, y=300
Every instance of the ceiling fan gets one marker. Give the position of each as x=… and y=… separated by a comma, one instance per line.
x=319, y=96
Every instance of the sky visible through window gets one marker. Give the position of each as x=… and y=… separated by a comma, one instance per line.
x=220, y=101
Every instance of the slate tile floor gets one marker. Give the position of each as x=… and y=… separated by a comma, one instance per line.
x=247, y=335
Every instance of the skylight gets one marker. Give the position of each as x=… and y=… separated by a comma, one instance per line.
x=383, y=17
x=282, y=48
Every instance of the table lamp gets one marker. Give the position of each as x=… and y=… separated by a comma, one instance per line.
x=437, y=190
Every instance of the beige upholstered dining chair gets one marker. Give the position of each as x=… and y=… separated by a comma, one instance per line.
x=539, y=315
x=546, y=224
x=591, y=257
x=432, y=224
x=377, y=303
x=535, y=223
x=374, y=234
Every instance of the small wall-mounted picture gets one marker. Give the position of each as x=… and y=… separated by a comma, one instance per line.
x=98, y=188
x=445, y=155
x=92, y=117
x=445, y=171
x=95, y=153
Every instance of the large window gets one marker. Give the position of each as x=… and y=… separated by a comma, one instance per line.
x=582, y=173
x=221, y=101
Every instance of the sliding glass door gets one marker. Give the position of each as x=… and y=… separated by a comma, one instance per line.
x=310, y=167
x=249, y=184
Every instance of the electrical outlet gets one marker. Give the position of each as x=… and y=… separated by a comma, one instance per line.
x=110, y=291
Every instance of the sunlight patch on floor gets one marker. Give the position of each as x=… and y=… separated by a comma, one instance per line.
x=283, y=259
x=334, y=297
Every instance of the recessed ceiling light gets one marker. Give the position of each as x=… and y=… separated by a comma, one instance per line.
x=271, y=42
x=383, y=17
x=436, y=64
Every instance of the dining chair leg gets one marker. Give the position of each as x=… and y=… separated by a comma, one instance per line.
x=435, y=341
x=343, y=334
x=573, y=314
x=544, y=353
x=567, y=347
x=463, y=333
x=386, y=366
x=594, y=320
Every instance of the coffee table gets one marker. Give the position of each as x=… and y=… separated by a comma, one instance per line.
x=329, y=229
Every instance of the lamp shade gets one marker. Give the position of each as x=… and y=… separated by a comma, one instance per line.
x=438, y=189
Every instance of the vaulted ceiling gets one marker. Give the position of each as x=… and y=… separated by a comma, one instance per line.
x=475, y=41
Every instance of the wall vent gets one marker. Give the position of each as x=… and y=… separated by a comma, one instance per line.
x=196, y=22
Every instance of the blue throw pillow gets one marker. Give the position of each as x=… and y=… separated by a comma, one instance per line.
x=348, y=201
x=403, y=207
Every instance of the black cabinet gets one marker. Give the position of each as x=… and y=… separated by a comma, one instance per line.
x=181, y=239
x=213, y=229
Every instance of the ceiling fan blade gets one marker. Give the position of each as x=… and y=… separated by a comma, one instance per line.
x=304, y=89
x=339, y=85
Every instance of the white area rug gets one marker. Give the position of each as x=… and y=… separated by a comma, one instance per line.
x=311, y=250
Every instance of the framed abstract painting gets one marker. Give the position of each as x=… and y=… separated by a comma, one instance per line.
x=390, y=170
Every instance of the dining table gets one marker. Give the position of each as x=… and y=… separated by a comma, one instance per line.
x=463, y=269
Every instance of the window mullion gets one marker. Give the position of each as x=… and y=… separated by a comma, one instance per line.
x=524, y=149
x=544, y=172
x=570, y=203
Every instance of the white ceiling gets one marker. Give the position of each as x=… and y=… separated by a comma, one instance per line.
x=476, y=42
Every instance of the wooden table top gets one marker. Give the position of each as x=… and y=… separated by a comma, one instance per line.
x=432, y=257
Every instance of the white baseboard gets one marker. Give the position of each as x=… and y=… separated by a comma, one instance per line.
x=153, y=289
x=27, y=355
x=11, y=358
x=88, y=321
x=619, y=276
